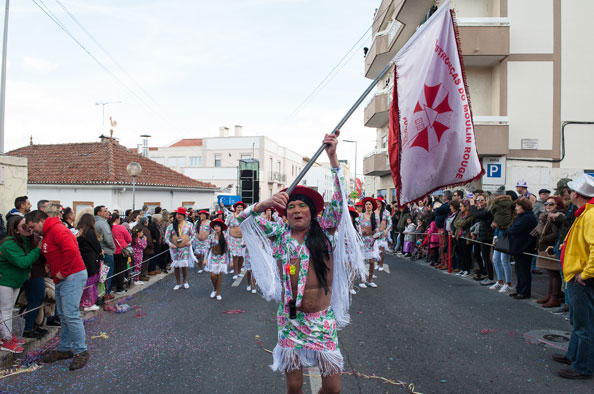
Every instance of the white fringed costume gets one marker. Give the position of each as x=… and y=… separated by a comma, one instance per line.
x=309, y=339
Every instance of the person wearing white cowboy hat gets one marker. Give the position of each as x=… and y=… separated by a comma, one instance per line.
x=577, y=258
x=522, y=189
x=180, y=235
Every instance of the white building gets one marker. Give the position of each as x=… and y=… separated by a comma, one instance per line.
x=319, y=177
x=215, y=160
x=81, y=175
x=528, y=77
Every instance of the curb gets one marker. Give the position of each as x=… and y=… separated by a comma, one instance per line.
x=8, y=359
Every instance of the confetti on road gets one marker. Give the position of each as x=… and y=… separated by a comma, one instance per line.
x=101, y=335
x=18, y=370
x=234, y=311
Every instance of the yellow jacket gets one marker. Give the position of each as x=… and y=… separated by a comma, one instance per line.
x=579, y=246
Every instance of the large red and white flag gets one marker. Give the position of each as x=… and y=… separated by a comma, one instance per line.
x=431, y=140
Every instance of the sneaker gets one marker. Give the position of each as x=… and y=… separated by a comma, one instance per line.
x=372, y=284
x=80, y=360
x=186, y=285
x=219, y=298
x=380, y=269
x=213, y=294
x=561, y=310
x=249, y=288
x=18, y=341
x=487, y=282
x=200, y=271
x=139, y=282
x=121, y=292
x=12, y=346
x=254, y=291
x=55, y=355
x=505, y=289
x=234, y=277
x=352, y=291
x=362, y=285
x=241, y=275
x=496, y=286
x=91, y=308
x=176, y=287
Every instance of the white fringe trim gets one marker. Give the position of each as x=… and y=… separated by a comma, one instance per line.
x=329, y=362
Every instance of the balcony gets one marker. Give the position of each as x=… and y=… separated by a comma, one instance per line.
x=492, y=135
x=376, y=163
x=377, y=112
x=386, y=43
x=484, y=41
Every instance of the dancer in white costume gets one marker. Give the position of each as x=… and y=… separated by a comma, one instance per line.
x=217, y=257
x=306, y=265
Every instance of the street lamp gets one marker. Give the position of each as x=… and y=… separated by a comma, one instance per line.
x=134, y=169
x=355, y=142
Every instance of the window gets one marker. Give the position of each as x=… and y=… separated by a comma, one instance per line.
x=160, y=160
x=384, y=141
x=77, y=206
x=152, y=205
x=381, y=193
x=195, y=161
x=188, y=204
x=176, y=161
x=217, y=160
x=278, y=166
x=271, y=164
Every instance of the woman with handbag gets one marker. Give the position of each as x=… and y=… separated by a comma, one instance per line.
x=91, y=252
x=122, y=240
x=547, y=232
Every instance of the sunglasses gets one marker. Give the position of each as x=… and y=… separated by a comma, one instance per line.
x=480, y=200
x=549, y=203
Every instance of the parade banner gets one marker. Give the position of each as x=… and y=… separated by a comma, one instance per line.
x=431, y=140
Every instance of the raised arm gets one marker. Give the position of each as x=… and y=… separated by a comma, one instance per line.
x=334, y=210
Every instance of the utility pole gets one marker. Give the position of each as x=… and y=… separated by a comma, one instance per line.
x=3, y=77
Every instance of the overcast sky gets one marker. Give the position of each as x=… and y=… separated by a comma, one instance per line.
x=189, y=67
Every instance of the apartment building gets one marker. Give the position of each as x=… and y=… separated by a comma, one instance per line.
x=528, y=78
x=215, y=160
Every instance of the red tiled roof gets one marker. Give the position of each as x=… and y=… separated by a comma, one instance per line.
x=189, y=142
x=97, y=163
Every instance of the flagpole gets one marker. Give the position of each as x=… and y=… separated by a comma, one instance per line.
x=338, y=126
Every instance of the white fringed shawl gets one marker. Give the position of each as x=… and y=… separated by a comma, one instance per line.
x=348, y=260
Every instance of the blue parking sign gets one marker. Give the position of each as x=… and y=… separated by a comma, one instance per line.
x=494, y=170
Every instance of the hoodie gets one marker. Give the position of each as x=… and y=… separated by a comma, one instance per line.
x=60, y=249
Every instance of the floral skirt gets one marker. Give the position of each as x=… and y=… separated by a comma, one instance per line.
x=369, y=248
x=217, y=264
x=201, y=247
x=235, y=246
x=309, y=340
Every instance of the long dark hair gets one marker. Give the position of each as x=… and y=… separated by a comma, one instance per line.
x=86, y=223
x=373, y=221
x=12, y=230
x=317, y=242
x=222, y=240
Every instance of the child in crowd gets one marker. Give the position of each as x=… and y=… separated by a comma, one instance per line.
x=409, y=237
x=433, y=240
x=138, y=244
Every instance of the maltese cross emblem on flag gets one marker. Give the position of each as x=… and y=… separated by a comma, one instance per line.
x=431, y=120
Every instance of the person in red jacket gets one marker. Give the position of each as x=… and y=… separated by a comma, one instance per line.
x=60, y=248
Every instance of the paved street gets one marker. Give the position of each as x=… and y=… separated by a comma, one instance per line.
x=441, y=333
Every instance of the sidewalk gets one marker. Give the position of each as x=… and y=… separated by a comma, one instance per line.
x=8, y=359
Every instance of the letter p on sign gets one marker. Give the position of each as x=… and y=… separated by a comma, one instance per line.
x=494, y=170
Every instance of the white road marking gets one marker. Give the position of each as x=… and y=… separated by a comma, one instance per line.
x=237, y=281
x=315, y=381
x=386, y=268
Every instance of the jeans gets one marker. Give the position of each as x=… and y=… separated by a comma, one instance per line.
x=34, y=290
x=398, y=242
x=108, y=260
x=68, y=294
x=524, y=274
x=155, y=260
x=581, y=311
x=8, y=296
x=502, y=266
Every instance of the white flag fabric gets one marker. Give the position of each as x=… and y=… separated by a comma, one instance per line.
x=431, y=140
